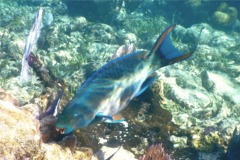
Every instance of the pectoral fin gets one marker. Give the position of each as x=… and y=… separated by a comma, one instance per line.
x=147, y=83
x=118, y=118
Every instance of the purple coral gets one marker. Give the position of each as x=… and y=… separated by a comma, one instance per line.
x=155, y=152
x=31, y=40
x=123, y=50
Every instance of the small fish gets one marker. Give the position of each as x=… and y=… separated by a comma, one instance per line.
x=114, y=85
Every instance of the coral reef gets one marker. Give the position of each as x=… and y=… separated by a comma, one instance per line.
x=198, y=104
x=155, y=152
x=192, y=108
x=20, y=137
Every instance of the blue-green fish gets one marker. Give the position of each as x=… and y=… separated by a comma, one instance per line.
x=114, y=85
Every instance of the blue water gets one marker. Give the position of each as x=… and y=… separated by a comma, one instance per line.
x=193, y=106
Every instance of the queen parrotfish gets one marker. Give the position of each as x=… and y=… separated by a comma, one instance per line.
x=108, y=91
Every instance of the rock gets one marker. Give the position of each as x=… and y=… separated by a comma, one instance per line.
x=184, y=90
x=221, y=85
x=224, y=16
x=8, y=97
x=100, y=32
x=179, y=142
x=189, y=98
x=212, y=156
x=209, y=36
x=105, y=152
x=221, y=39
x=20, y=137
x=191, y=34
x=126, y=37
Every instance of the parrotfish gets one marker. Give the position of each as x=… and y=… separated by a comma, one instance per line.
x=109, y=90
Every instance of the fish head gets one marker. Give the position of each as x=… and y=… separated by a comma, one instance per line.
x=73, y=118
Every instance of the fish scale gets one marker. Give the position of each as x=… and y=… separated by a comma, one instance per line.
x=109, y=90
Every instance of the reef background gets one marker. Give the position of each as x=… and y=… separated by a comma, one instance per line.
x=192, y=108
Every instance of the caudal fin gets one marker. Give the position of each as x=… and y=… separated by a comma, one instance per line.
x=165, y=49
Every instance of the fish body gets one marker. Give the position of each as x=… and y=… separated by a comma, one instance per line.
x=233, y=150
x=114, y=85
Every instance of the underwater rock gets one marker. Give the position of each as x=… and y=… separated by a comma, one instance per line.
x=184, y=90
x=208, y=156
x=126, y=37
x=79, y=23
x=194, y=4
x=236, y=25
x=221, y=85
x=20, y=137
x=101, y=10
x=209, y=142
x=194, y=110
x=179, y=142
x=101, y=32
x=189, y=98
x=23, y=92
x=191, y=35
x=209, y=36
x=97, y=60
x=8, y=97
x=106, y=152
x=225, y=16
x=222, y=40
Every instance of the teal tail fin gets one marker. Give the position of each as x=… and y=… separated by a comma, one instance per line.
x=165, y=49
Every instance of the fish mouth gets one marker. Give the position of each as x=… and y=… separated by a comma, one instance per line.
x=61, y=130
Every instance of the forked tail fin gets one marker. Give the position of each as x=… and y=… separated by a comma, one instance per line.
x=165, y=49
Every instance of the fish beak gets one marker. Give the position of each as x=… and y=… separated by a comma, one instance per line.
x=61, y=130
